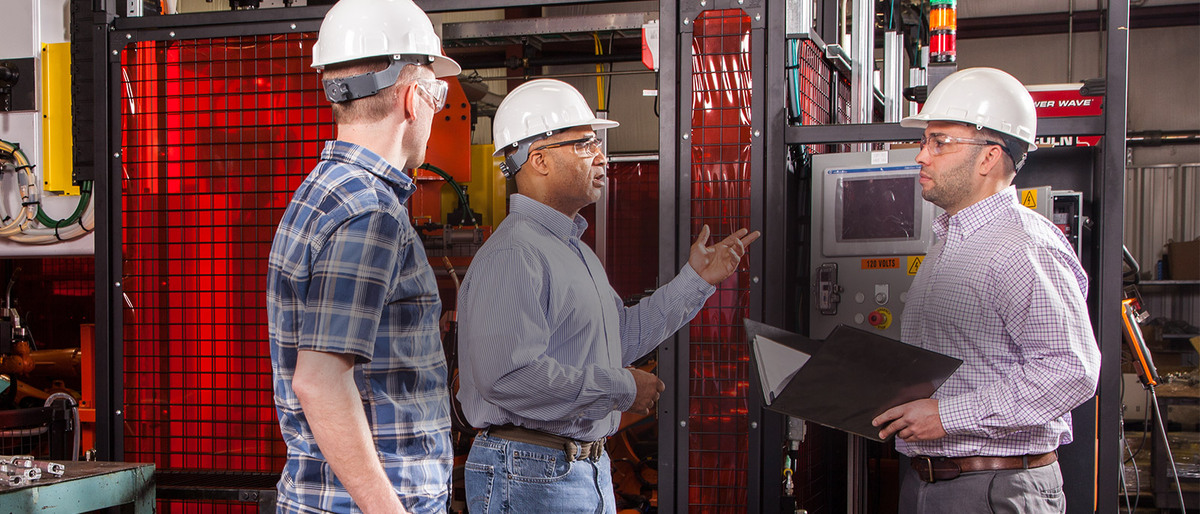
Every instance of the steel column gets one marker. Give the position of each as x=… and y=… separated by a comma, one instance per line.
x=672, y=406
x=1110, y=198
x=777, y=224
x=893, y=75
x=109, y=300
x=862, y=62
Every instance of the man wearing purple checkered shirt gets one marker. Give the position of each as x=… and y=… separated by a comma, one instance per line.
x=1002, y=290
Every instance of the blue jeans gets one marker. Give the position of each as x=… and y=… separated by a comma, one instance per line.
x=503, y=476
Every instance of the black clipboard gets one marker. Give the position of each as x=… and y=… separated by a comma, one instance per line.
x=851, y=377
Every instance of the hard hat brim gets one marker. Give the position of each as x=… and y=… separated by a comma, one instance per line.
x=444, y=67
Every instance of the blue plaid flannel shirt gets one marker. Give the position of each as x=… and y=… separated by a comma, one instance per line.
x=349, y=275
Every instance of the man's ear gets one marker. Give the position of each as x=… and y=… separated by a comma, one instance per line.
x=407, y=94
x=537, y=163
x=991, y=160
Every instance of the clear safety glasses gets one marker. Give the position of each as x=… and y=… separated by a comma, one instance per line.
x=941, y=144
x=584, y=147
x=436, y=90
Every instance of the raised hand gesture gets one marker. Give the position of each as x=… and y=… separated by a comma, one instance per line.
x=715, y=263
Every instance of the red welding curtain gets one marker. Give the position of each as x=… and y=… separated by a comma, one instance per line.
x=720, y=197
x=217, y=135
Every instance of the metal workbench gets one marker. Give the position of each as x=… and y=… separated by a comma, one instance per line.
x=84, y=487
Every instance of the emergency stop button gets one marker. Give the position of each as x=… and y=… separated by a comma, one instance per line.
x=880, y=318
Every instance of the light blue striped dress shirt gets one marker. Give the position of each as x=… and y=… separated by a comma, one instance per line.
x=1002, y=290
x=544, y=338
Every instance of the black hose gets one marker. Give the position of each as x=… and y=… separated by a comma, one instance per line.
x=462, y=197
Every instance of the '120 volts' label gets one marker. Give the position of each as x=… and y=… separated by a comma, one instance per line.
x=888, y=263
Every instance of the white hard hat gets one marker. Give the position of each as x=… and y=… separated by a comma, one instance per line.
x=984, y=97
x=535, y=110
x=357, y=29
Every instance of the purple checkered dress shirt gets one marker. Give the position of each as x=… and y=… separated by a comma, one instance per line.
x=1002, y=290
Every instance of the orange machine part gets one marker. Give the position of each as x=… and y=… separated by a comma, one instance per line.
x=448, y=149
x=87, y=386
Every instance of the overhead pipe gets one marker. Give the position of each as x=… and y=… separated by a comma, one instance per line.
x=1162, y=137
x=568, y=75
x=516, y=62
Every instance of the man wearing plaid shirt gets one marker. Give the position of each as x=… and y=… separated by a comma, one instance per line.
x=1002, y=290
x=356, y=354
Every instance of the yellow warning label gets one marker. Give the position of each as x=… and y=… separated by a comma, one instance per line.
x=889, y=263
x=914, y=263
x=1029, y=198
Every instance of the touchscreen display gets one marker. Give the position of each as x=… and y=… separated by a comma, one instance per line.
x=878, y=208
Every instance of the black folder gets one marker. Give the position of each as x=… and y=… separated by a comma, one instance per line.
x=850, y=377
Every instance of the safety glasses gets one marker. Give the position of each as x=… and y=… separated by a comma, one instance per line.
x=942, y=144
x=584, y=147
x=436, y=90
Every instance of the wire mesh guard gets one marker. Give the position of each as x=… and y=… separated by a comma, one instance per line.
x=809, y=83
x=720, y=198
x=218, y=133
x=810, y=89
x=49, y=432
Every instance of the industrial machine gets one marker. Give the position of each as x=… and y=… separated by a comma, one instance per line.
x=870, y=229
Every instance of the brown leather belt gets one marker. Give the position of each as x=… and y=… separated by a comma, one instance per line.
x=575, y=450
x=932, y=469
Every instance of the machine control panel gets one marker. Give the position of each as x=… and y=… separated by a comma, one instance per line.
x=870, y=232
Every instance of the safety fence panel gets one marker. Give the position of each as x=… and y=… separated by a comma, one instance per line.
x=720, y=198
x=217, y=133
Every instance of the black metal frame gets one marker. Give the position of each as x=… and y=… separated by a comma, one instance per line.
x=675, y=22
x=771, y=212
x=111, y=32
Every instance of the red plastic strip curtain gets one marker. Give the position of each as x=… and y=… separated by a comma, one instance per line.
x=632, y=256
x=720, y=198
x=218, y=133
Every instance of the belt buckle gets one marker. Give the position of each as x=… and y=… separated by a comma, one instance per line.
x=928, y=468
x=579, y=451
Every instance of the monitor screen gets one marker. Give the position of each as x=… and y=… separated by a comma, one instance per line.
x=878, y=209
x=872, y=209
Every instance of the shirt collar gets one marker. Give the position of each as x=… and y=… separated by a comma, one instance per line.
x=556, y=222
x=977, y=215
x=360, y=156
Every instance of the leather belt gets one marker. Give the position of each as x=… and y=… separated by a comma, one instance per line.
x=575, y=450
x=932, y=469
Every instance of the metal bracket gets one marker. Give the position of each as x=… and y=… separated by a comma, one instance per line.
x=17, y=83
x=689, y=10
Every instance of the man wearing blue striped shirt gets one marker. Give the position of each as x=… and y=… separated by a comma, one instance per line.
x=356, y=354
x=544, y=339
x=1002, y=290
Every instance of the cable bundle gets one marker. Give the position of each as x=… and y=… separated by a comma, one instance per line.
x=21, y=228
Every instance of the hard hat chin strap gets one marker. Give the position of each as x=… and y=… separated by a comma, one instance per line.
x=368, y=84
